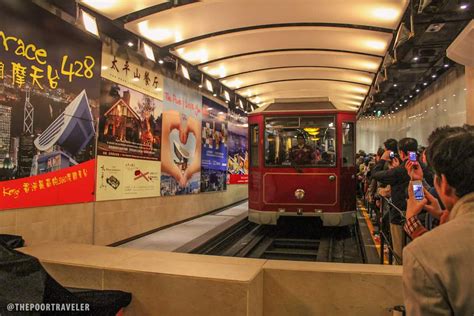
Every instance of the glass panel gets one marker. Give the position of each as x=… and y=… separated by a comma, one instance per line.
x=254, y=134
x=300, y=141
x=348, y=144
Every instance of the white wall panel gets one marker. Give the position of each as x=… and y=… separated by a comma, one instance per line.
x=442, y=103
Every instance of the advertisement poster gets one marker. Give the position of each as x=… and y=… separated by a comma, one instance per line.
x=49, y=92
x=181, y=140
x=238, y=164
x=128, y=73
x=129, y=123
x=214, y=146
x=122, y=178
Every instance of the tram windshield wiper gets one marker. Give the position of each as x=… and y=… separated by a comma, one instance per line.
x=297, y=168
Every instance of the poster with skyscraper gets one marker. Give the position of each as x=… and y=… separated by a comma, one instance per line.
x=49, y=91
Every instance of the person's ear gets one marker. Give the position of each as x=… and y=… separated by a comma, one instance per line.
x=445, y=187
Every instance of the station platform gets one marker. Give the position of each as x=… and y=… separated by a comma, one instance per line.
x=187, y=235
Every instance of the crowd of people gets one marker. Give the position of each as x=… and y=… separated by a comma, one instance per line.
x=423, y=204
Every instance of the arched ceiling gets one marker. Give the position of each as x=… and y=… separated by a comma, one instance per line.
x=272, y=48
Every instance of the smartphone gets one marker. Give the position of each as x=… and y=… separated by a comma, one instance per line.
x=418, y=190
x=392, y=155
x=412, y=155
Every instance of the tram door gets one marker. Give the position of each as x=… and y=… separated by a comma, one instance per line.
x=348, y=170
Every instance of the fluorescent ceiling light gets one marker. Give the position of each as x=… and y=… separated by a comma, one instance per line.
x=208, y=85
x=148, y=52
x=226, y=95
x=184, y=72
x=90, y=23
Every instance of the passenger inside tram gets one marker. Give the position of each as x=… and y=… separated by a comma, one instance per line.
x=300, y=141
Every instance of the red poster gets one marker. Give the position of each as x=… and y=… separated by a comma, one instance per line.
x=238, y=179
x=65, y=186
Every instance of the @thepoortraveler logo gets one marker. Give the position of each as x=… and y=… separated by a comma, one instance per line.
x=144, y=175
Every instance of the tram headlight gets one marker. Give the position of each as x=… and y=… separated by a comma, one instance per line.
x=299, y=194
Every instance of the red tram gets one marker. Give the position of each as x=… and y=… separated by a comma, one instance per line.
x=302, y=163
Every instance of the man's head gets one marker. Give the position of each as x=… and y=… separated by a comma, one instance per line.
x=405, y=145
x=451, y=156
x=391, y=144
x=300, y=139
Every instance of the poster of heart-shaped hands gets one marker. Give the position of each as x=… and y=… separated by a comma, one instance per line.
x=181, y=140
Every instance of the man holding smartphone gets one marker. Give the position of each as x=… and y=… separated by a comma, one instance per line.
x=397, y=177
x=438, y=275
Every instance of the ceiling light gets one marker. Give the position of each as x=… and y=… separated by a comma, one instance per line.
x=425, y=83
x=417, y=90
x=184, y=72
x=135, y=79
x=465, y=89
x=395, y=85
x=104, y=67
x=433, y=76
x=218, y=72
x=405, y=100
x=215, y=95
x=161, y=61
x=155, y=34
x=385, y=13
x=158, y=89
x=200, y=86
x=454, y=95
x=195, y=56
x=209, y=86
x=415, y=58
x=446, y=65
x=383, y=101
x=130, y=44
x=411, y=96
x=445, y=100
x=227, y=96
x=90, y=23
x=148, y=52
x=463, y=6
x=378, y=45
x=226, y=101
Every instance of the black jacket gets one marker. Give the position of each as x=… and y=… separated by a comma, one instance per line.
x=398, y=179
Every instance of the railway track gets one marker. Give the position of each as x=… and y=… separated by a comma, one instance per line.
x=292, y=239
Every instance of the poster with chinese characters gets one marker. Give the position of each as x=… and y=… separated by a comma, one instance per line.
x=214, y=146
x=49, y=93
x=130, y=74
x=238, y=164
x=122, y=178
x=129, y=123
x=181, y=140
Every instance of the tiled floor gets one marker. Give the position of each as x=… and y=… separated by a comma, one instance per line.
x=174, y=237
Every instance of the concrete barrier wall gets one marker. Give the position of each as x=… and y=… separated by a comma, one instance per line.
x=164, y=283
x=304, y=289
x=104, y=223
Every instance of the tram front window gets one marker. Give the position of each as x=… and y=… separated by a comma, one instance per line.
x=300, y=141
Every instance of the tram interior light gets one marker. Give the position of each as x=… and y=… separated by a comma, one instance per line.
x=89, y=22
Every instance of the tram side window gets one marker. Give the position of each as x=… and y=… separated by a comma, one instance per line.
x=254, y=134
x=300, y=141
x=348, y=144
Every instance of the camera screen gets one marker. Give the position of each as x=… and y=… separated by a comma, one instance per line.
x=418, y=191
x=412, y=155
